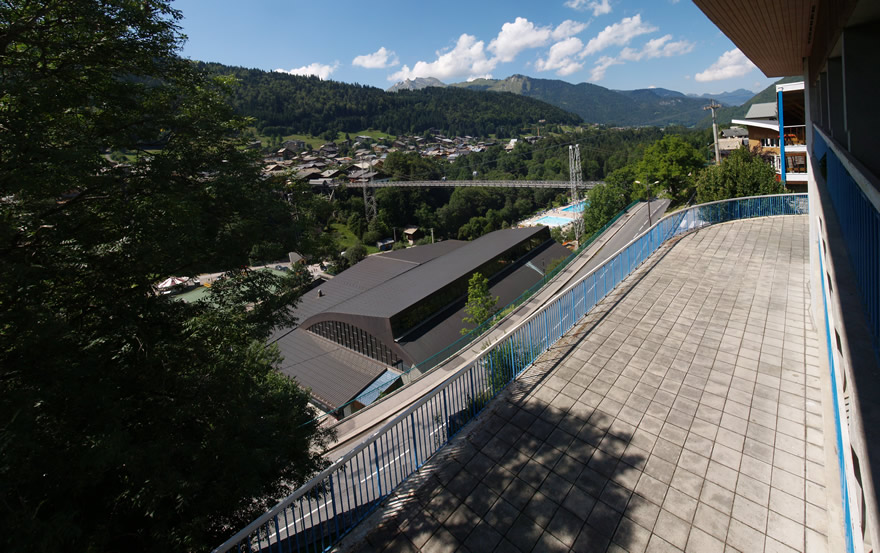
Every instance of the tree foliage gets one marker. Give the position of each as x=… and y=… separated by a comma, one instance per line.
x=129, y=421
x=674, y=163
x=355, y=253
x=480, y=304
x=742, y=173
x=605, y=201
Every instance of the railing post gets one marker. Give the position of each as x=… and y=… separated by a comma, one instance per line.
x=584, y=297
x=378, y=476
x=511, y=358
x=333, y=500
x=415, y=440
x=277, y=534
x=529, y=326
x=446, y=415
x=492, y=370
x=559, y=316
x=473, y=390
x=352, y=478
x=546, y=343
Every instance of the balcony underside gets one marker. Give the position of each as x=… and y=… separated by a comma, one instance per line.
x=684, y=413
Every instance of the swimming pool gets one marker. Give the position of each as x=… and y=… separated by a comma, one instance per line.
x=552, y=221
x=578, y=207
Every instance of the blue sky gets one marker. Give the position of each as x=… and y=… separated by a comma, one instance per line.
x=618, y=44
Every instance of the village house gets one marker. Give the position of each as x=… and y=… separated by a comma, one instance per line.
x=781, y=135
x=411, y=234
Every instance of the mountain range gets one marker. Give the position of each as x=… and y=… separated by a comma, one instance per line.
x=283, y=104
x=733, y=98
x=597, y=104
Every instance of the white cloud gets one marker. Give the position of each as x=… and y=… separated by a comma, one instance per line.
x=599, y=7
x=618, y=34
x=655, y=48
x=380, y=59
x=318, y=69
x=602, y=64
x=561, y=57
x=658, y=48
x=516, y=37
x=522, y=34
x=732, y=63
x=467, y=59
x=471, y=59
x=567, y=28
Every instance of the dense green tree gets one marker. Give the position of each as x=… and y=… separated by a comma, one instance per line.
x=266, y=252
x=357, y=224
x=370, y=237
x=742, y=173
x=474, y=228
x=355, y=253
x=605, y=201
x=411, y=166
x=674, y=163
x=129, y=421
x=480, y=304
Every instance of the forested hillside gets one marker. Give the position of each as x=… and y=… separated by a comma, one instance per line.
x=288, y=104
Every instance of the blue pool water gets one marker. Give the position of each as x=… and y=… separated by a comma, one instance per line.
x=578, y=207
x=552, y=221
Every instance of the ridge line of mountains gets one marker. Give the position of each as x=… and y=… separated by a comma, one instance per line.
x=730, y=99
x=284, y=104
x=597, y=104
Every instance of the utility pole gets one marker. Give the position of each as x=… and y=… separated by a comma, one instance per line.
x=713, y=106
x=576, y=181
x=432, y=235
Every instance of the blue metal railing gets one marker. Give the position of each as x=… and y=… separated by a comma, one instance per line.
x=860, y=225
x=318, y=514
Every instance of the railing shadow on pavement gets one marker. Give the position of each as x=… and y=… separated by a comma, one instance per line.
x=319, y=513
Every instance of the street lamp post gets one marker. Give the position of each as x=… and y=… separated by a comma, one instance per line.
x=656, y=182
x=648, y=198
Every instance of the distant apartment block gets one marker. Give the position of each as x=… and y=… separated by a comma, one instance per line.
x=781, y=138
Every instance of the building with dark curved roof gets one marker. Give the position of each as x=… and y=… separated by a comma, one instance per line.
x=394, y=310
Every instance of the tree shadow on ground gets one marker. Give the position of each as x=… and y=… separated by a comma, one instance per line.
x=549, y=465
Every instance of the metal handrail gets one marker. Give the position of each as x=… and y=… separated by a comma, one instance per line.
x=471, y=389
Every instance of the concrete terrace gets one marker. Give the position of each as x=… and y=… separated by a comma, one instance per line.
x=684, y=414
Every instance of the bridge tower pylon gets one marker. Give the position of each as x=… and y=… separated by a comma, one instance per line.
x=576, y=181
x=370, y=208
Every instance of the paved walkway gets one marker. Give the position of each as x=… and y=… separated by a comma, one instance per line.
x=683, y=414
